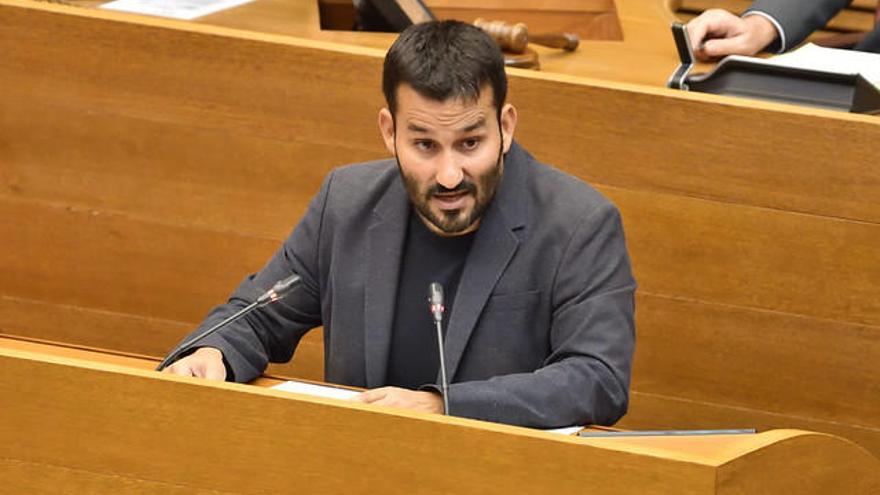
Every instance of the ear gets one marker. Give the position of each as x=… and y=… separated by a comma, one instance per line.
x=386, y=127
x=508, y=125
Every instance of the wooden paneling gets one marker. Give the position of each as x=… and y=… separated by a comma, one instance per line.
x=131, y=333
x=728, y=150
x=174, y=413
x=649, y=411
x=645, y=54
x=42, y=479
x=864, y=4
x=169, y=173
x=283, y=441
x=753, y=257
x=774, y=362
x=696, y=249
x=86, y=326
x=106, y=261
x=137, y=190
x=759, y=155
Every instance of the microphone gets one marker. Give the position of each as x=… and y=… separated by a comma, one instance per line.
x=278, y=291
x=435, y=300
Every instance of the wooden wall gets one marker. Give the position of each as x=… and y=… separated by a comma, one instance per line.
x=251, y=440
x=146, y=166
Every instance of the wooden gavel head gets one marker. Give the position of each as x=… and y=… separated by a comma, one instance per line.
x=511, y=38
x=515, y=37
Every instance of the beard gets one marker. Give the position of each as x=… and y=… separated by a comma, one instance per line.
x=453, y=222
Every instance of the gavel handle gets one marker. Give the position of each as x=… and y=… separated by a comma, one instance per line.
x=567, y=41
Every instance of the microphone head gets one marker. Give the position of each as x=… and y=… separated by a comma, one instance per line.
x=283, y=287
x=435, y=300
x=279, y=290
x=435, y=294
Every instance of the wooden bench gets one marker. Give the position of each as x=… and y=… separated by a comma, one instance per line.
x=147, y=432
x=622, y=40
x=147, y=165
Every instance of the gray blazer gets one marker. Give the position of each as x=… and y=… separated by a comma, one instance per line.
x=799, y=18
x=541, y=331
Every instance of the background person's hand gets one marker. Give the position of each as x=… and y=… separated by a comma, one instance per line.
x=206, y=362
x=403, y=398
x=716, y=33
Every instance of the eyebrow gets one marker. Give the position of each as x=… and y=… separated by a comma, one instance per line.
x=469, y=128
x=476, y=125
x=416, y=128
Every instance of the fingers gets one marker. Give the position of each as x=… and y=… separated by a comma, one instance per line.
x=696, y=30
x=402, y=398
x=711, y=26
x=180, y=367
x=206, y=362
x=717, y=33
x=711, y=23
x=373, y=396
x=717, y=48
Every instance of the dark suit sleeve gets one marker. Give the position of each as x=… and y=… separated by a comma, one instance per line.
x=585, y=379
x=798, y=18
x=271, y=334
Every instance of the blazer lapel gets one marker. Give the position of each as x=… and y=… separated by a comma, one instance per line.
x=494, y=246
x=384, y=251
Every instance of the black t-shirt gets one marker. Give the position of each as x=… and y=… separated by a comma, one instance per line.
x=414, y=359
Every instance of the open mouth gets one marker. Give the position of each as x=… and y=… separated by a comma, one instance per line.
x=450, y=201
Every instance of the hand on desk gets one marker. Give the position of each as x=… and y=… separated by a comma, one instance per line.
x=403, y=398
x=206, y=362
x=716, y=33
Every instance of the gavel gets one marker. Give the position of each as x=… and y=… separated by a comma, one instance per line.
x=515, y=37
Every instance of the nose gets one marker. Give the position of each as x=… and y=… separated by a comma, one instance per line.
x=449, y=172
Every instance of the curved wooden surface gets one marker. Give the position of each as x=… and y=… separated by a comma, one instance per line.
x=99, y=426
x=147, y=165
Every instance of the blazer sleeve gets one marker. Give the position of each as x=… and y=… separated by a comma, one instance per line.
x=798, y=19
x=271, y=333
x=585, y=379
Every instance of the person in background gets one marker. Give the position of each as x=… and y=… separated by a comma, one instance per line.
x=767, y=25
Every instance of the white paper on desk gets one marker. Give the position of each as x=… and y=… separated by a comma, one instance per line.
x=568, y=430
x=815, y=57
x=316, y=390
x=175, y=9
x=330, y=392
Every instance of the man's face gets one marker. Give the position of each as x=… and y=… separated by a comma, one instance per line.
x=450, y=155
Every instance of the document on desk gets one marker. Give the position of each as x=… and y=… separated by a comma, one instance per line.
x=836, y=60
x=316, y=390
x=331, y=392
x=175, y=9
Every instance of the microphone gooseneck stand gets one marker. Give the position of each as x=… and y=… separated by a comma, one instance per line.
x=276, y=293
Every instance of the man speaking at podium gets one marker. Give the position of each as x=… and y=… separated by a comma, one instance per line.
x=539, y=294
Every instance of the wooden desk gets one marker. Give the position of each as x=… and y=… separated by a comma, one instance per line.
x=108, y=426
x=148, y=165
x=630, y=40
x=622, y=40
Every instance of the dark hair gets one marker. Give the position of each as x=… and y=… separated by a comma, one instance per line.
x=442, y=60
